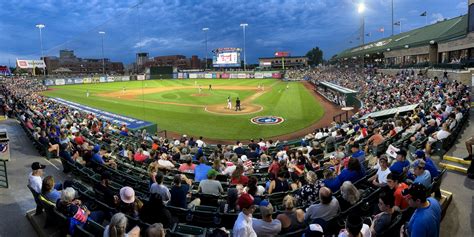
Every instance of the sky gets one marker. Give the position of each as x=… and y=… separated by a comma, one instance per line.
x=169, y=27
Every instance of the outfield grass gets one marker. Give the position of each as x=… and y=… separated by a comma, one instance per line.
x=295, y=104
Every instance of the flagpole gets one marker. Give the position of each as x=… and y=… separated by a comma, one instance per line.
x=426, y=19
x=392, y=17
x=400, y=26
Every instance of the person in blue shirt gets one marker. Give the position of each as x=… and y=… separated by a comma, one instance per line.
x=422, y=175
x=401, y=165
x=98, y=155
x=357, y=153
x=352, y=173
x=200, y=172
x=430, y=166
x=425, y=221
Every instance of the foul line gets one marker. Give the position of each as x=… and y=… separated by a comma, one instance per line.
x=51, y=163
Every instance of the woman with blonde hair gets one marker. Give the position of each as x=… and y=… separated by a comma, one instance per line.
x=291, y=219
x=350, y=195
x=118, y=226
x=308, y=194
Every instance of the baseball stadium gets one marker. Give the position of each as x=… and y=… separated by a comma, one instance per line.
x=170, y=118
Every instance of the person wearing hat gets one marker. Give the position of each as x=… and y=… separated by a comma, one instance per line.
x=104, y=190
x=211, y=185
x=243, y=226
x=380, y=178
x=129, y=205
x=430, y=166
x=266, y=226
x=425, y=221
x=35, y=179
x=422, y=175
x=401, y=165
x=355, y=227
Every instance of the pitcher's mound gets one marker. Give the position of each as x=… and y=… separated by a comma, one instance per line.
x=222, y=109
x=199, y=95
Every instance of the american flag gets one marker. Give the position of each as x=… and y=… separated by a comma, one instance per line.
x=382, y=30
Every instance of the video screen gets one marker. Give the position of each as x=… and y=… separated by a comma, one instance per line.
x=227, y=57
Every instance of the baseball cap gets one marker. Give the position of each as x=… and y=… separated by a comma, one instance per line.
x=244, y=158
x=212, y=173
x=37, y=166
x=127, y=195
x=96, y=148
x=420, y=154
x=419, y=163
x=402, y=152
x=245, y=201
x=314, y=230
x=416, y=190
x=266, y=208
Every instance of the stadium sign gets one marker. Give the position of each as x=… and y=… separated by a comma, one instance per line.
x=267, y=120
x=28, y=64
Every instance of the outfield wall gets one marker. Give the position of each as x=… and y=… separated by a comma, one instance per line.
x=179, y=75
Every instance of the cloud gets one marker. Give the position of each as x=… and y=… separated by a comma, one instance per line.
x=437, y=17
x=462, y=6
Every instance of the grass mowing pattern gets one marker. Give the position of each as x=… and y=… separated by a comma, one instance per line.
x=295, y=104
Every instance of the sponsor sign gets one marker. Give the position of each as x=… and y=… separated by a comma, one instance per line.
x=225, y=75
x=60, y=82
x=282, y=54
x=87, y=80
x=140, y=77
x=267, y=120
x=125, y=78
x=110, y=79
x=276, y=75
x=78, y=81
x=114, y=118
x=193, y=75
x=102, y=79
x=69, y=81
x=49, y=82
x=258, y=75
x=208, y=75
x=234, y=76
x=30, y=63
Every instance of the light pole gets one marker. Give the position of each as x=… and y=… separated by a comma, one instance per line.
x=40, y=27
x=360, y=10
x=205, y=32
x=244, y=25
x=102, y=33
x=392, y=18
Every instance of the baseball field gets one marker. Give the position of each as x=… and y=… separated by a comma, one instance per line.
x=180, y=106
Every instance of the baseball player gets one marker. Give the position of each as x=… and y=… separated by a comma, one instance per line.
x=229, y=103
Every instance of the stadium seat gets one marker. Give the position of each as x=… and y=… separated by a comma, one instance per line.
x=296, y=233
x=94, y=228
x=39, y=205
x=188, y=230
x=81, y=232
x=394, y=228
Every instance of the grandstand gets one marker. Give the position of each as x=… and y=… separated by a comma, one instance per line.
x=80, y=172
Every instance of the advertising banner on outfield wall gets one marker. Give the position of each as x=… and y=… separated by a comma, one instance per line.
x=241, y=75
x=78, y=81
x=258, y=75
x=110, y=79
x=69, y=81
x=114, y=118
x=95, y=79
x=276, y=75
x=102, y=79
x=193, y=75
x=267, y=75
x=233, y=75
x=60, y=82
x=208, y=75
x=48, y=82
x=125, y=78
x=140, y=77
x=87, y=80
x=225, y=75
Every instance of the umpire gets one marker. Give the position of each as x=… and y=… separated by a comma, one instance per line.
x=237, y=104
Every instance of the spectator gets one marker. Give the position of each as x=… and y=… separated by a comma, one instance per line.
x=308, y=194
x=429, y=164
x=381, y=222
x=164, y=163
x=400, y=166
x=353, y=172
x=179, y=191
x=380, y=178
x=160, y=189
x=355, y=227
x=274, y=167
x=210, y=185
x=104, y=190
x=331, y=181
x=422, y=175
x=156, y=230
x=75, y=211
x=48, y=191
x=35, y=181
x=154, y=211
x=188, y=166
x=139, y=156
x=201, y=170
x=129, y=205
x=427, y=216
x=393, y=182
x=326, y=209
x=291, y=219
x=238, y=176
x=350, y=195
x=358, y=153
x=280, y=184
x=243, y=226
x=266, y=226
x=118, y=225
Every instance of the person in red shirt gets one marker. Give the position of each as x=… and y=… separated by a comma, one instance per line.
x=238, y=176
x=79, y=139
x=274, y=167
x=139, y=156
x=394, y=184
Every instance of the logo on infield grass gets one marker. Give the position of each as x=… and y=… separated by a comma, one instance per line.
x=266, y=120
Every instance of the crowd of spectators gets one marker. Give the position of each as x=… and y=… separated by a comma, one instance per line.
x=301, y=188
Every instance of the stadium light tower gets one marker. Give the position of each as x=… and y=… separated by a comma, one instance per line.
x=40, y=27
x=102, y=33
x=205, y=32
x=360, y=10
x=244, y=25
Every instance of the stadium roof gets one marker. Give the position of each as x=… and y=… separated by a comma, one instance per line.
x=439, y=32
x=391, y=112
x=337, y=87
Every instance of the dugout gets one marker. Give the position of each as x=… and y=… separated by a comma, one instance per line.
x=349, y=95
